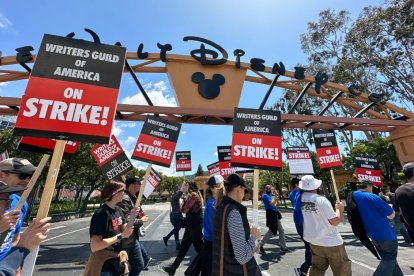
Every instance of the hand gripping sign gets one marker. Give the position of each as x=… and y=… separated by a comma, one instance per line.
x=367, y=168
x=257, y=139
x=183, y=161
x=326, y=148
x=157, y=141
x=72, y=91
x=112, y=159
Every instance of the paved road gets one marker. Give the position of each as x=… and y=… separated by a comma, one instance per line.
x=67, y=248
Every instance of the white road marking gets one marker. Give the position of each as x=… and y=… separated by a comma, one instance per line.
x=154, y=220
x=364, y=265
x=66, y=234
x=57, y=227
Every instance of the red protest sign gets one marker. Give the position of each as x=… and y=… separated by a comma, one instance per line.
x=326, y=149
x=299, y=159
x=153, y=181
x=225, y=166
x=367, y=168
x=72, y=91
x=213, y=168
x=182, y=161
x=44, y=145
x=112, y=159
x=257, y=139
x=157, y=141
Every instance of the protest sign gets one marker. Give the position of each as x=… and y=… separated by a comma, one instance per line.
x=224, y=156
x=112, y=159
x=326, y=148
x=157, y=141
x=367, y=168
x=183, y=161
x=72, y=91
x=44, y=145
x=213, y=168
x=299, y=159
x=153, y=181
x=257, y=139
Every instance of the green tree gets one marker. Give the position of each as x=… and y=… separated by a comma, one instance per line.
x=200, y=171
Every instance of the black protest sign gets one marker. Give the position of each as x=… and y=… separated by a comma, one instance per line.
x=368, y=168
x=157, y=141
x=326, y=148
x=224, y=156
x=299, y=159
x=72, y=92
x=257, y=141
x=183, y=161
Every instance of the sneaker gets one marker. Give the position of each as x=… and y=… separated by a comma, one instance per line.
x=284, y=250
x=165, y=241
x=166, y=269
x=262, y=251
x=146, y=264
x=298, y=271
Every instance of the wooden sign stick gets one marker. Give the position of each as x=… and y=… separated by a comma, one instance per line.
x=334, y=185
x=256, y=198
x=33, y=180
x=45, y=201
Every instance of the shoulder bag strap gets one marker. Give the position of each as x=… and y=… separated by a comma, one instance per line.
x=222, y=241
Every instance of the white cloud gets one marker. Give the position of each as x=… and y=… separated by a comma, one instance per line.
x=165, y=171
x=127, y=125
x=116, y=130
x=4, y=83
x=128, y=142
x=183, y=132
x=157, y=92
x=215, y=153
x=4, y=22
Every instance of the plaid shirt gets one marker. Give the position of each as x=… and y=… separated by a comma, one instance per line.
x=192, y=204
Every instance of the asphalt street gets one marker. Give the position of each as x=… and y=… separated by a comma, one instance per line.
x=66, y=249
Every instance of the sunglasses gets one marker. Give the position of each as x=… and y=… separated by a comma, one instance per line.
x=22, y=176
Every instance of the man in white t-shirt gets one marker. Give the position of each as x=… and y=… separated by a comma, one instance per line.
x=319, y=229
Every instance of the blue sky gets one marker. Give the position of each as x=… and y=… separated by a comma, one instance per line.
x=265, y=29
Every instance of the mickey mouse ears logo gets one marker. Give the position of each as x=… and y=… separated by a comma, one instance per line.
x=208, y=89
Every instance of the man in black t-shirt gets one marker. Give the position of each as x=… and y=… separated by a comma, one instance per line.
x=404, y=198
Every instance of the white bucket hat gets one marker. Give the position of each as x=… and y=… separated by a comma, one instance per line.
x=309, y=183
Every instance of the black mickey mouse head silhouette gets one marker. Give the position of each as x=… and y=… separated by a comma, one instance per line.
x=208, y=89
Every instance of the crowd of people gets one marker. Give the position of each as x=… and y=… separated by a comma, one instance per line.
x=223, y=238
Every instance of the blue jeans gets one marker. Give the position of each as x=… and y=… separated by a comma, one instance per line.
x=399, y=227
x=176, y=222
x=144, y=253
x=388, y=265
x=308, y=255
x=135, y=259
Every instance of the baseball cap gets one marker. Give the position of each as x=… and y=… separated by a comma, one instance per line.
x=133, y=179
x=234, y=180
x=17, y=165
x=408, y=167
x=309, y=183
x=4, y=188
x=214, y=180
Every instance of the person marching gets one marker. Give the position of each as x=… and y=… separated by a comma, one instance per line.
x=175, y=217
x=273, y=218
x=108, y=227
x=319, y=229
x=404, y=198
x=234, y=240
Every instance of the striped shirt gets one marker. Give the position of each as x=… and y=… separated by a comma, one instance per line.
x=243, y=250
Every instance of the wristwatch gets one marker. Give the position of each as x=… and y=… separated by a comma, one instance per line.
x=119, y=237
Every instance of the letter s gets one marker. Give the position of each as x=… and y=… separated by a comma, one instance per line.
x=30, y=104
x=139, y=148
x=236, y=150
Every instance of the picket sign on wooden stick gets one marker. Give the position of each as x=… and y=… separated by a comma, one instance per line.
x=33, y=180
x=256, y=198
x=334, y=186
x=45, y=201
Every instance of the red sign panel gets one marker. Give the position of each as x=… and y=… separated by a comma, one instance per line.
x=157, y=141
x=299, y=160
x=45, y=146
x=183, y=161
x=225, y=166
x=327, y=149
x=213, y=168
x=153, y=181
x=72, y=91
x=367, y=168
x=112, y=159
x=257, y=139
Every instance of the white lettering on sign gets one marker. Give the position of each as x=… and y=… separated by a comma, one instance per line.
x=256, y=129
x=76, y=73
x=73, y=112
x=256, y=152
x=298, y=155
x=106, y=151
x=156, y=151
x=372, y=178
x=329, y=159
x=183, y=166
x=228, y=171
x=160, y=134
x=118, y=169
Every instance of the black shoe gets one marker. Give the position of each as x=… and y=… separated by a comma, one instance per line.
x=146, y=264
x=165, y=241
x=262, y=251
x=177, y=247
x=167, y=269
